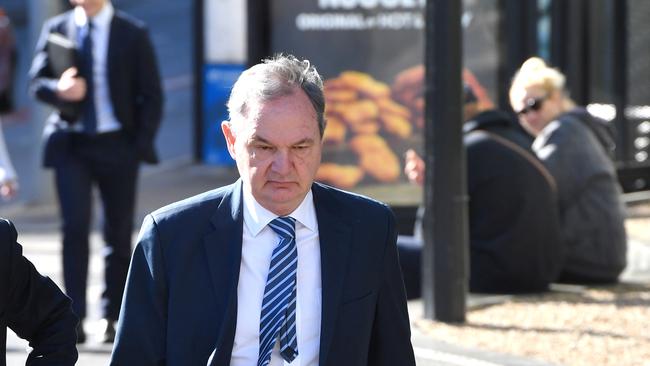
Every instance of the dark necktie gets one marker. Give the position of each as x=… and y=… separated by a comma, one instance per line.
x=278, y=317
x=89, y=113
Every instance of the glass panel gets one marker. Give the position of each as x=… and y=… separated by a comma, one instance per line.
x=637, y=111
x=480, y=22
x=638, y=53
x=601, y=52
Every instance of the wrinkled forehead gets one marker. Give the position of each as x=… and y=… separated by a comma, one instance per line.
x=292, y=111
x=254, y=87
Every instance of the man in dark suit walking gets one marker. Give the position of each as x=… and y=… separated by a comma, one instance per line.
x=33, y=307
x=274, y=268
x=108, y=108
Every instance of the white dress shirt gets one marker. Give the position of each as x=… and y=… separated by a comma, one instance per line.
x=258, y=243
x=106, y=121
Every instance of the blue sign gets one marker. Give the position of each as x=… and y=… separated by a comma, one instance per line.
x=218, y=80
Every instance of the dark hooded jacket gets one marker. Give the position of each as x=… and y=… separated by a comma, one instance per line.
x=591, y=211
x=514, y=229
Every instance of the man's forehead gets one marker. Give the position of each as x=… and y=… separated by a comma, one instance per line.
x=293, y=107
x=280, y=136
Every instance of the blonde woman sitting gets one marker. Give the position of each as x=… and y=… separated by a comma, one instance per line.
x=576, y=149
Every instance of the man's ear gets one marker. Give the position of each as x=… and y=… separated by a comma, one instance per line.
x=229, y=134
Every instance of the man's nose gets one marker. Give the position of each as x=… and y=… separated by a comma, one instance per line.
x=281, y=161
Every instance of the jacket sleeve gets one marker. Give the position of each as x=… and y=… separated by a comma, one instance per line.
x=42, y=83
x=142, y=327
x=390, y=343
x=37, y=310
x=149, y=102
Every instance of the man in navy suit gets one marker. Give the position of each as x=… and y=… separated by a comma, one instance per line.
x=33, y=307
x=274, y=268
x=107, y=111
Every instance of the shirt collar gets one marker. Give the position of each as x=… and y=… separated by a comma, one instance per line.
x=257, y=217
x=101, y=19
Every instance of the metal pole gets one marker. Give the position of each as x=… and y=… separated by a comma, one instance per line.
x=259, y=30
x=444, y=257
x=36, y=183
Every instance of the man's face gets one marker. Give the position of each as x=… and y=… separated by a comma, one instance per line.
x=91, y=7
x=277, y=148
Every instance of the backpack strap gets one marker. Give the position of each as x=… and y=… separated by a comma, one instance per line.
x=526, y=155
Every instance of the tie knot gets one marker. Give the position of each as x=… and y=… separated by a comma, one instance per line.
x=284, y=226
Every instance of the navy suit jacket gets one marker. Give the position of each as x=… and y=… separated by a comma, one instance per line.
x=133, y=80
x=180, y=304
x=33, y=307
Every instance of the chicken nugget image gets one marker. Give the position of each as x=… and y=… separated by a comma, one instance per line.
x=383, y=167
x=397, y=125
x=334, y=84
x=342, y=176
x=368, y=144
x=408, y=90
x=358, y=112
x=351, y=78
x=332, y=109
x=376, y=157
x=365, y=84
x=391, y=107
x=335, y=131
x=340, y=95
x=410, y=78
x=366, y=127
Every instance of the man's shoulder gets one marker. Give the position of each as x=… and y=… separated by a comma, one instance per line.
x=129, y=21
x=59, y=20
x=8, y=232
x=8, y=238
x=345, y=201
x=206, y=201
x=566, y=131
x=480, y=142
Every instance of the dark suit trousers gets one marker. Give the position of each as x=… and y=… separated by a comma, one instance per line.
x=108, y=162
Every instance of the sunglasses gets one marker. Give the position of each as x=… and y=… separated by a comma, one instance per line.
x=532, y=104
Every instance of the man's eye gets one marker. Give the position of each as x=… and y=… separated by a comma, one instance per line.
x=264, y=147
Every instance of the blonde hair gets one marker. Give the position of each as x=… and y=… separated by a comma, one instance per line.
x=535, y=72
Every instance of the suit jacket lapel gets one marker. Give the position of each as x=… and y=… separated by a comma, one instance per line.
x=335, y=236
x=223, y=250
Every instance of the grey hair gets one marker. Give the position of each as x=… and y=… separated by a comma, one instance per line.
x=276, y=77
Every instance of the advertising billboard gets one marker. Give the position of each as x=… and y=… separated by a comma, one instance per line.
x=370, y=55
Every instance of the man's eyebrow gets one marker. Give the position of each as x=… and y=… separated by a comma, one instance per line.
x=256, y=138
x=304, y=141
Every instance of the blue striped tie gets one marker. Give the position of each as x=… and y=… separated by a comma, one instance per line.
x=278, y=317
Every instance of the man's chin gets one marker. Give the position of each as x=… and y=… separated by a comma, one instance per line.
x=282, y=201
